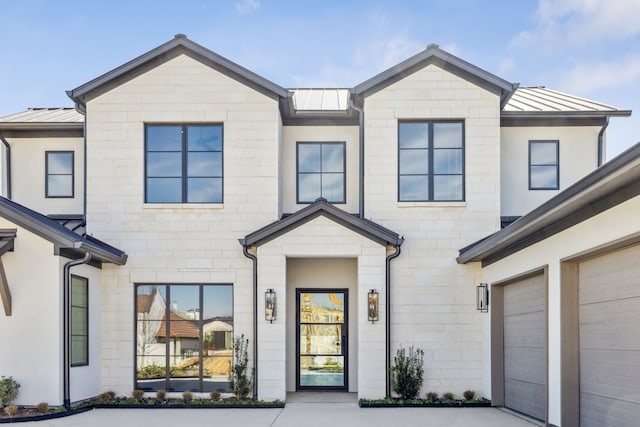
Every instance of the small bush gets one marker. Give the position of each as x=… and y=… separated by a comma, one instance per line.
x=447, y=396
x=187, y=396
x=161, y=394
x=407, y=372
x=469, y=394
x=111, y=394
x=432, y=396
x=43, y=408
x=137, y=394
x=11, y=410
x=8, y=391
x=104, y=397
x=215, y=396
x=239, y=378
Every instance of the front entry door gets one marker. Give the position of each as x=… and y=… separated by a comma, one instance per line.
x=321, y=342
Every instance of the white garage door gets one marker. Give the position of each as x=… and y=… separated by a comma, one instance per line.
x=525, y=336
x=609, y=301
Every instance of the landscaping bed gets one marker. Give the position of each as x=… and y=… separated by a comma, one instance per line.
x=424, y=403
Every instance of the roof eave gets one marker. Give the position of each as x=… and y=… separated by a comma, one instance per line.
x=565, y=114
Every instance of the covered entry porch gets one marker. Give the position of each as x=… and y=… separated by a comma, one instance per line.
x=321, y=263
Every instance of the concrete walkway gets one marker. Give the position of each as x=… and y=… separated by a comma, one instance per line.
x=293, y=415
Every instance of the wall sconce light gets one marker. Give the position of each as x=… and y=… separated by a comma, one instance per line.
x=372, y=304
x=270, y=305
x=482, y=297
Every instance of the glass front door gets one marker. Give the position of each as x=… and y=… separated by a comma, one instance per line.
x=321, y=344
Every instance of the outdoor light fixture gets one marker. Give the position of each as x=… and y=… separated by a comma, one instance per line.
x=270, y=305
x=372, y=304
x=482, y=297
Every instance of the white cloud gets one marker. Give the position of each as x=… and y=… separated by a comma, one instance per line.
x=506, y=65
x=580, y=23
x=244, y=7
x=592, y=76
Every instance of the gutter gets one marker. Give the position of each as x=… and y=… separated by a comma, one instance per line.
x=601, y=141
x=387, y=358
x=66, y=300
x=8, y=163
x=254, y=259
x=361, y=156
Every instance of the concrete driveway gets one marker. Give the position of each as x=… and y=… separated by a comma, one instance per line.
x=293, y=415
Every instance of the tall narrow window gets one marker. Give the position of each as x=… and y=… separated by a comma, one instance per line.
x=321, y=171
x=183, y=164
x=59, y=174
x=184, y=337
x=79, y=321
x=430, y=161
x=544, y=165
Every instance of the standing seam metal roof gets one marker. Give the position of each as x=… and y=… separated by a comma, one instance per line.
x=541, y=99
x=45, y=115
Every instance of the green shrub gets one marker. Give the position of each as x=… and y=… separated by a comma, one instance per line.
x=187, y=396
x=104, y=397
x=407, y=372
x=8, y=391
x=151, y=372
x=239, y=378
x=469, y=394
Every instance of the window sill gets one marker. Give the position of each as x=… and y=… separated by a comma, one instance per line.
x=152, y=206
x=432, y=204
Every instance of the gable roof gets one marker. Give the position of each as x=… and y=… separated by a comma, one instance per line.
x=321, y=207
x=614, y=182
x=180, y=44
x=448, y=62
x=66, y=242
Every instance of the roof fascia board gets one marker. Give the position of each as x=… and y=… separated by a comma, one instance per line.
x=533, y=222
x=169, y=50
x=42, y=132
x=558, y=120
x=568, y=114
x=436, y=56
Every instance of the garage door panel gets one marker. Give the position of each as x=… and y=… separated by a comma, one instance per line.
x=609, y=319
x=532, y=367
x=525, y=330
x=523, y=396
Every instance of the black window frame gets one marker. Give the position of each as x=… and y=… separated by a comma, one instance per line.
x=85, y=361
x=557, y=163
x=430, y=173
x=343, y=145
x=184, y=154
x=47, y=174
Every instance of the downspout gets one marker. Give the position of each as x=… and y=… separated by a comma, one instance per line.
x=361, y=158
x=8, y=163
x=84, y=189
x=387, y=359
x=601, y=141
x=254, y=259
x=66, y=325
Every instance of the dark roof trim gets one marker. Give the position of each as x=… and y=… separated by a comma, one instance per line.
x=321, y=207
x=59, y=235
x=613, y=183
x=42, y=131
x=180, y=44
x=552, y=119
x=448, y=62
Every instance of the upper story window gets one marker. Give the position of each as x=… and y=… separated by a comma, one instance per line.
x=430, y=161
x=544, y=165
x=59, y=174
x=183, y=164
x=79, y=321
x=321, y=171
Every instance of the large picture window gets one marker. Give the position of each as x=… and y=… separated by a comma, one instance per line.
x=59, y=174
x=321, y=171
x=544, y=165
x=430, y=161
x=187, y=344
x=79, y=321
x=183, y=164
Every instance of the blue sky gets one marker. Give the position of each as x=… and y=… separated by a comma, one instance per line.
x=589, y=48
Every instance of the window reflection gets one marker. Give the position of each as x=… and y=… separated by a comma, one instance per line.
x=321, y=171
x=186, y=344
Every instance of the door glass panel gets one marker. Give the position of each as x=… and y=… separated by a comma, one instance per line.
x=322, y=339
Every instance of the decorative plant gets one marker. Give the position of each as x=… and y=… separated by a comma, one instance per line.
x=105, y=397
x=161, y=394
x=187, y=396
x=447, y=396
x=43, y=408
x=407, y=372
x=8, y=391
x=432, y=396
x=215, y=396
x=469, y=394
x=11, y=410
x=137, y=394
x=239, y=377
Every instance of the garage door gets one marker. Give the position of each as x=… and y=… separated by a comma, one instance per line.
x=525, y=336
x=609, y=309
